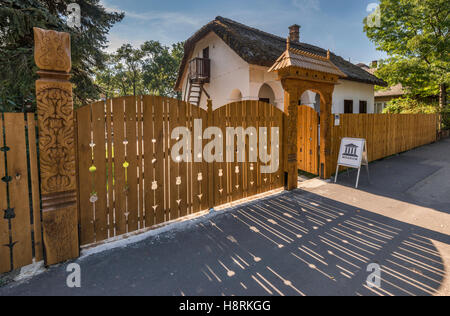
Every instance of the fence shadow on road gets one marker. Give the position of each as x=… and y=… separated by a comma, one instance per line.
x=304, y=244
x=294, y=243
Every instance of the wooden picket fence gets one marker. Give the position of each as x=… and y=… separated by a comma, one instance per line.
x=20, y=212
x=127, y=179
x=386, y=134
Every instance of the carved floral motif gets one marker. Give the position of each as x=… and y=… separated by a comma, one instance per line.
x=52, y=50
x=56, y=136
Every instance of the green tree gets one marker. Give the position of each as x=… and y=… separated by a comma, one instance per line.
x=415, y=35
x=150, y=69
x=105, y=78
x=17, y=19
x=130, y=71
x=160, y=69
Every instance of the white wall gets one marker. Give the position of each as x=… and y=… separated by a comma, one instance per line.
x=230, y=73
x=356, y=91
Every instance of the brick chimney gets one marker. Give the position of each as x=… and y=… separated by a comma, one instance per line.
x=294, y=33
x=375, y=64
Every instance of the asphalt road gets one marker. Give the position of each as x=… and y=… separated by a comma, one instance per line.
x=317, y=240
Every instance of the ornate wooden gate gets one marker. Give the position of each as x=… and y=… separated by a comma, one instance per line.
x=308, y=140
x=128, y=179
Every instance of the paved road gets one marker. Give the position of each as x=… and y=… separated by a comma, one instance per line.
x=317, y=240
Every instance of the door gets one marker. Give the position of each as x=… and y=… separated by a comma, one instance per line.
x=308, y=140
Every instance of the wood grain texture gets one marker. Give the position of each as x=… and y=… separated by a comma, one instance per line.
x=18, y=189
x=308, y=142
x=132, y=177
x=34, y=176
x=100, y=180
x=52, y=50
x=60, y=235
x=120, y=190
x=150, y=183
x=5, y=261
x=84, y=140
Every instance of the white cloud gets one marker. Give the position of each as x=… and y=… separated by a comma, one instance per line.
x=155, y=16
x=307, y=5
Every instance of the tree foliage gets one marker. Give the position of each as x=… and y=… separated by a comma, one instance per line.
x=17, y=19
x=408, y=105
x=415, y=35
x=150, y=69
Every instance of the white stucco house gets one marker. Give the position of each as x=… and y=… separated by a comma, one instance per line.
x=228, y=61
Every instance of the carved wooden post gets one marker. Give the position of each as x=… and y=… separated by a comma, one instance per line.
x=325, y=134
x=56, y=145
x=290, y=142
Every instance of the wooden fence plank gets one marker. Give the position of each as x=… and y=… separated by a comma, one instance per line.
x=5, y=260
x=131, y=157
x=110, y=168
x=220, y=168
x=18, y=189
x=162, y=156
x=175, y=181
x=100, y=162
x=119, y=170
x=84, y=140
x=140, y=161
x=182, y=165
x=150, y=183
x=34, y=175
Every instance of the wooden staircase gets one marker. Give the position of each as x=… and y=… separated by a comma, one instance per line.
x=195, y=93
x=199, y=74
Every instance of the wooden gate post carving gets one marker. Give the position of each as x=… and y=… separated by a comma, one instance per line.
x=56, y=145
x=290, y=140
x=325, y=132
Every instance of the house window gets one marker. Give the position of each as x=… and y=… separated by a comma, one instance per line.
x=348, y=106
x=363, y=107
x=206, y=53
x=379, y=107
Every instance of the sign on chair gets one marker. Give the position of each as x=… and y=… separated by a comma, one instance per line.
x=353, y=154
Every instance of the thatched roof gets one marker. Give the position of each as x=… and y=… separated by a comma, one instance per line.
x=263, y=49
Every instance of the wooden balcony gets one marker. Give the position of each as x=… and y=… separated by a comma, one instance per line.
x=200, y=70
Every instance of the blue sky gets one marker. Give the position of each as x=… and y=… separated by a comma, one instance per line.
x=331, y=24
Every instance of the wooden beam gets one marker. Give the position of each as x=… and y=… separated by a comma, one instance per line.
x=57, y=145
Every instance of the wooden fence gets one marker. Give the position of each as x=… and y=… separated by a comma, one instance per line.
x=128, y=180
x=386, y=134
x=20, y=214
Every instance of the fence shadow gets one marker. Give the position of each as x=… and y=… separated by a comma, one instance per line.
x=418, y=177
x=295, y=243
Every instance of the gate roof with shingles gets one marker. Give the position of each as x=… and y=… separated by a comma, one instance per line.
x=296, y=58
x=260, y=48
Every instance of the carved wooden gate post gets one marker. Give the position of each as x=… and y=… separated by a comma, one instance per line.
x=290, y=143
x=56, y=145
x=325, y=131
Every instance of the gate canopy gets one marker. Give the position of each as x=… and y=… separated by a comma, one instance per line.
x=295, y=59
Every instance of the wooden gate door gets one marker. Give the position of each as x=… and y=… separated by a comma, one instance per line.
x=308, y=140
